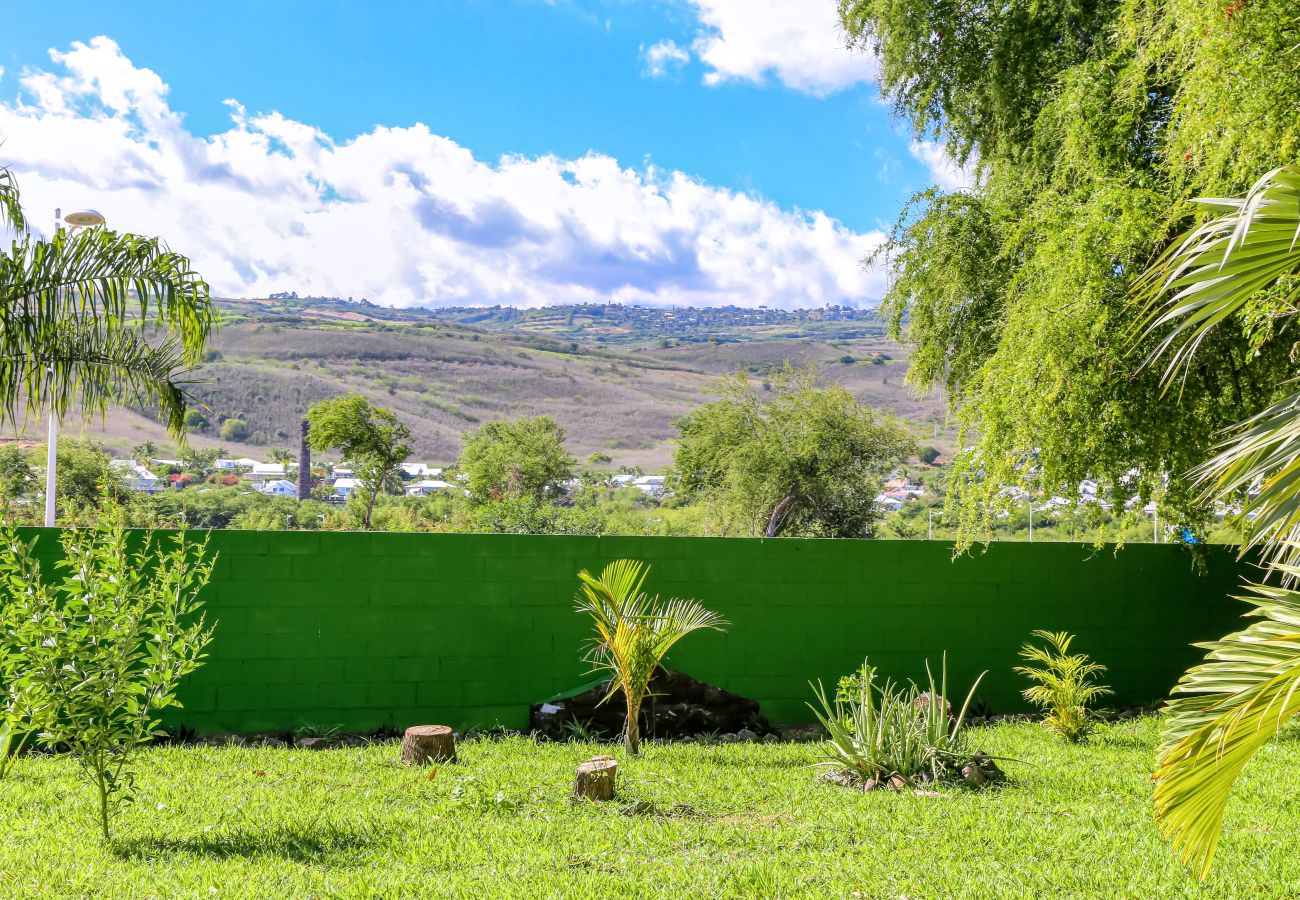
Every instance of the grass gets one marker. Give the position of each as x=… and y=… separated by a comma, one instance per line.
x=702, y=821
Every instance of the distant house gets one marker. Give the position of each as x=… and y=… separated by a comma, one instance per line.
x=345, y=488
x=341, y=471
x=888, y=503
x=136, y=477
x=278, y=487
x=622, y=480
x=654, y=485
x=423, y=488
x=266, y=471
x=230, y=464
x=166, y=462
x=418, y=470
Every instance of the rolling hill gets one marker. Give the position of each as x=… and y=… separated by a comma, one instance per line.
x=444, y=376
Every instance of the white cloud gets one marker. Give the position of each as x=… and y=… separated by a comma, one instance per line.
x=944, y=170
x=663, y=59
x=403, y=215
x=797, y=41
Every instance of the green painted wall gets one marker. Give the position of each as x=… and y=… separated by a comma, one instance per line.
x=365, y=630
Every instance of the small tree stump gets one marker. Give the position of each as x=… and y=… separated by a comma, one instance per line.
x=424, y=744
x=595, y=779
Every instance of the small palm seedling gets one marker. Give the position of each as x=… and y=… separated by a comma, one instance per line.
x=879, y=730
x=1064, y=686
x=634, y=632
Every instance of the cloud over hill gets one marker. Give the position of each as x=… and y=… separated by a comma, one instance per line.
x=403, y=215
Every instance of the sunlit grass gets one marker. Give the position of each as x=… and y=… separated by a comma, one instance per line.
x=704, y=821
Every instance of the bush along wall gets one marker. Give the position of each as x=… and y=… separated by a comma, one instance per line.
x=368, y=630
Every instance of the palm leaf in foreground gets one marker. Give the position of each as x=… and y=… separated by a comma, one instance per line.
x=1223, y=711
x=11, y=211
x=634, y=632
x=1220, y=268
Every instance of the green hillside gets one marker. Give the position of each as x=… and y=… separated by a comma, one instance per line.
x=269, y=362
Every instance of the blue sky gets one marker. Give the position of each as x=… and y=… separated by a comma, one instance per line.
x=712, y=106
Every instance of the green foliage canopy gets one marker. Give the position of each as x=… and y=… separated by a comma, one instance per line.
x=1090, y=124
x=369, y=437
x=523, y=459
x=806, y=461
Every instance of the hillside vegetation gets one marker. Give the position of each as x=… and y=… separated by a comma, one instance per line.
x=444, y=377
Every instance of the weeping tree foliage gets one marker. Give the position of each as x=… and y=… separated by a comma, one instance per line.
x=94, y=317
x=1237, y=271
x=1089, y=124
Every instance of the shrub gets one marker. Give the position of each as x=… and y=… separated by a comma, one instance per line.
x=878, y=729
x=234, y=430
x=634, y=632
x=1065, y=687
x=104, y=643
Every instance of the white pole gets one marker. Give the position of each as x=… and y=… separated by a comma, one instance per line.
x=931, y=534
x=1155, y=524
x=1031, y=521
x=52, y=438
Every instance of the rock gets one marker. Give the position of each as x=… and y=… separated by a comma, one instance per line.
x=922, y=705
x=272, y=743
x=989, y=767
x=312, y=743
x=896, y=782
x=973, y=775
x=870, y=785
x=920, y=792
x=676, y=707
x=771, y=738
x=747, y=736
x=730, y=738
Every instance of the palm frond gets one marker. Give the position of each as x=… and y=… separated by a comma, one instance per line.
x=98, y=316
x=1224, y=710
x=1211, y=273
x=11, y=210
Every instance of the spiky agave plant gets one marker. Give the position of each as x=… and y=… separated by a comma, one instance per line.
x=634, y=632
x=1064, y=686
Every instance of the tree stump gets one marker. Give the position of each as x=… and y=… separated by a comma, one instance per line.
x=595, y=779
x=424, y=744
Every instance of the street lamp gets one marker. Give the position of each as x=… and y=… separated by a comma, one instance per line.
x=85, y=218
x=932, y=515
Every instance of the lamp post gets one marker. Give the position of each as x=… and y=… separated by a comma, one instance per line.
x=1031, y=520
x=85, y=218
x=931, y=532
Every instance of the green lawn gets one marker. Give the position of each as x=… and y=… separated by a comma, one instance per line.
x=706, y=821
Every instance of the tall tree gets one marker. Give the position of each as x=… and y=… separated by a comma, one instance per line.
x=1087, y=123
x=806, y=461
x=523, y=459
x=94, y=317
x=369, y=437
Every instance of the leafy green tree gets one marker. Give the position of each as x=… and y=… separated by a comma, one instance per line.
x=143, y=453
x=17, y=476
x=1087, y=124
x=804, y=460
x=234, y=430
x=523, y=459
x=93, y=317
x=104, y=643
x=280, y=455
x=85, y=480
x=369, y=437
x=928, y=455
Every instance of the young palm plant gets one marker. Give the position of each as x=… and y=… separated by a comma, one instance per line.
x=634, y=632
x=1243, y=264
x=93, y=317
x=1064, y=685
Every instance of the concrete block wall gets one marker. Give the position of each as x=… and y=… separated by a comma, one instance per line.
x=363, y=630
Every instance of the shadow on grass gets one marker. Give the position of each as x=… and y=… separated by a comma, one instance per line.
x=307, y=843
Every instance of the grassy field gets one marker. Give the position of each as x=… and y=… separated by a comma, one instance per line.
x=692, y=821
